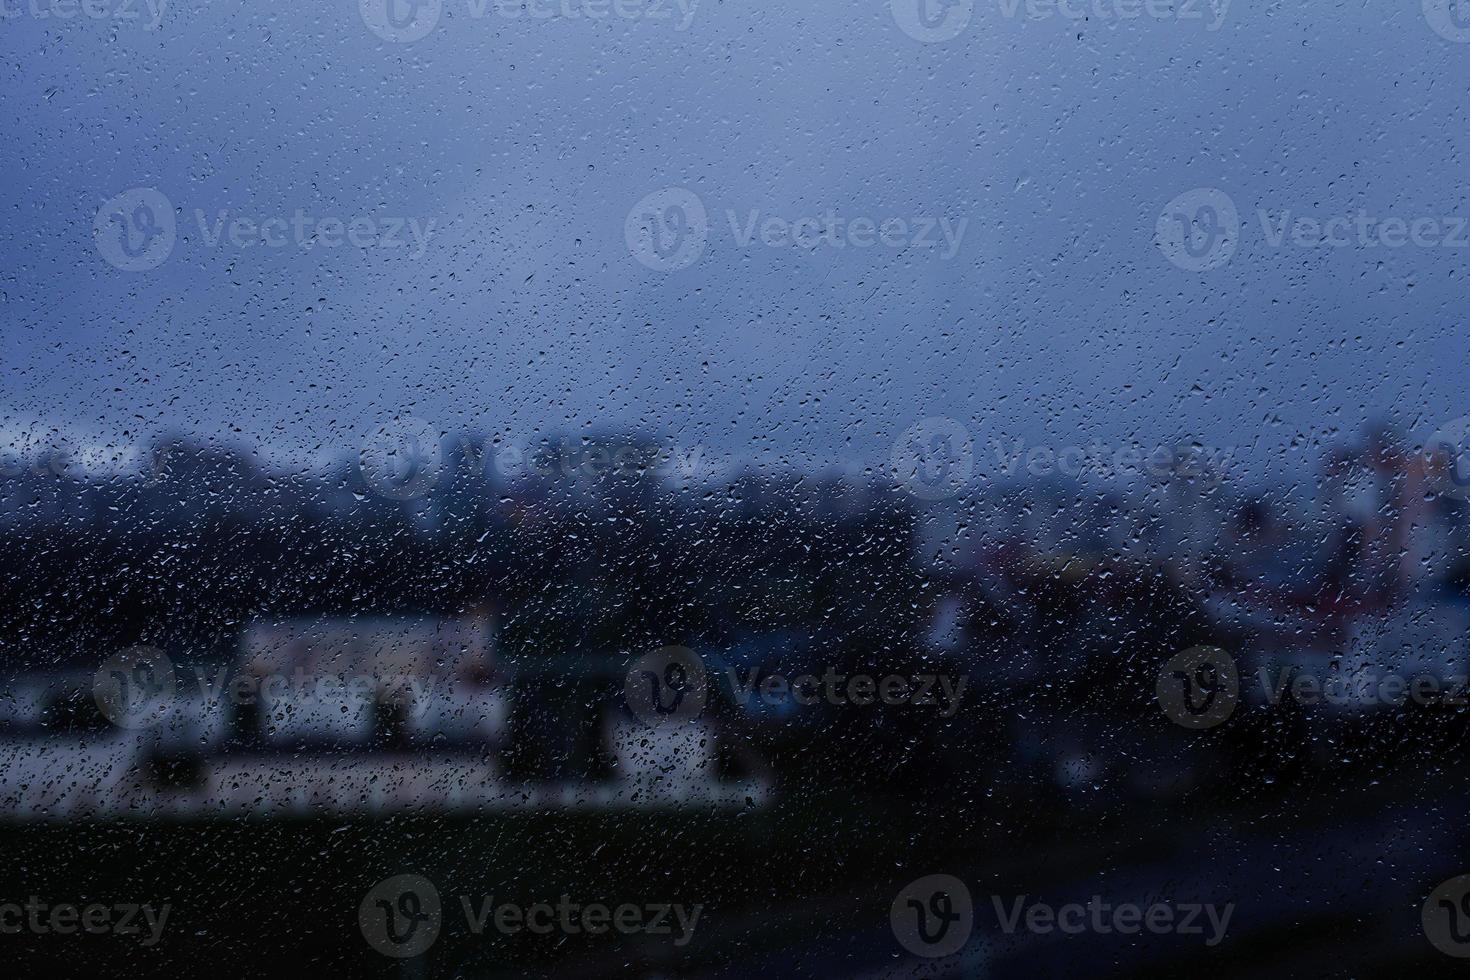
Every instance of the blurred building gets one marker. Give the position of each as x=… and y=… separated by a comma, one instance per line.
x=328, y=716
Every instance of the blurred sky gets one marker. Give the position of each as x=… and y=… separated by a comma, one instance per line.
x=528, y=141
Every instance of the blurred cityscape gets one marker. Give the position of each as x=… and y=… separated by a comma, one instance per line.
x=495, y=621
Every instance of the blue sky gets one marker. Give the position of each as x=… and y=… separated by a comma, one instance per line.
x=527, y=142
